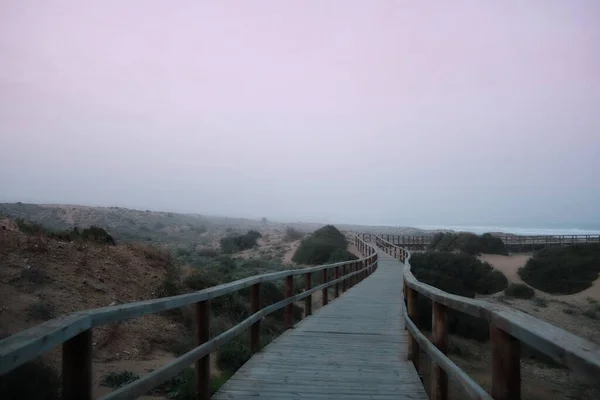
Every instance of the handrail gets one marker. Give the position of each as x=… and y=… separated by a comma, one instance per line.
x=74, y=331
x=508, y=327
x=520, y=242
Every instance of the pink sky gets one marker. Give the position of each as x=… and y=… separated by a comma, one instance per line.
x=396, y=112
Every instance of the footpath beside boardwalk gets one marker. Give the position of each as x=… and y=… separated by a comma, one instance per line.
x=354, y=348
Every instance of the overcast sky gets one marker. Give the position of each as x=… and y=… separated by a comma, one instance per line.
x=378, y=112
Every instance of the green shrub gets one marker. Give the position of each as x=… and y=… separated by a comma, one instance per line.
x=31, y=228
x=460, y=274
x=234, y=244
x=468, y=243
x=490, y=244
x=171, y=285
x=330, y=234
x=320, y=246
x=203, y=279
x=116, y=380
x=97, y=234
x=519, y=291
x=93, y=233
x=32, y=381
x=457, y=273
x=340, y=255
x=563, y=270
x=232, y=355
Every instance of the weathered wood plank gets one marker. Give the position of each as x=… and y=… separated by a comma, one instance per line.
x=77, y=367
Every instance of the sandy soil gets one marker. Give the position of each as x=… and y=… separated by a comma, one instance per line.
x=291, y=250
x=509, y=265
x=565, y=311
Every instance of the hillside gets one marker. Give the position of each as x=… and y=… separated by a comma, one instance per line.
x=41, y=278
x=183, y=235
x=45, y=274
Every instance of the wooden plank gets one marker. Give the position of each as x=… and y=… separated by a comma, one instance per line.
x=324, y=291
x=439, y=330
x=289, y=292
x=308, y=300
x=16, y=350
x=77, y=367
x=202, y=365
x=506, y=365
x=254, y=308
x=413, y=313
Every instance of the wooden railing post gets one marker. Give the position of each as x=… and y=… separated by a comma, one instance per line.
x=77, y=367
x=289, y=292
x=202, y=365
x=362, y=265
x=413, y=314
x=337, y=285
x=506, y=365
x=308, y=300
x=345, y=281
x=439, y=330
x=324, y=291
x=254, y=308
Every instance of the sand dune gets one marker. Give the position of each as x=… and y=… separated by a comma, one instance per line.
x=510, y=265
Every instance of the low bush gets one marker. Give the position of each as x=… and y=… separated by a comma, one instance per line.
x=469, y=243
x=519, y=291
x=234, y=244
x=232, y=355
x=563, y=270
x=340, y=255
x=93, y=233
x=320, y=246
x=116, y=380
x=459, y=274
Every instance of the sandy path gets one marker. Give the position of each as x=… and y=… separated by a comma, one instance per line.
x=289, y=254
x=508, y=265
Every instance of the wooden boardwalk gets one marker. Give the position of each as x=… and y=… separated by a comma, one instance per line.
x=354, y=348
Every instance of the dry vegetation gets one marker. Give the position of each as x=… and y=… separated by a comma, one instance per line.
x=46, y=274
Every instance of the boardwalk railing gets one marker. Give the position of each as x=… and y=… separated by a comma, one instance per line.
x=74, y=331
x=508, y=329
x=512, y=242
